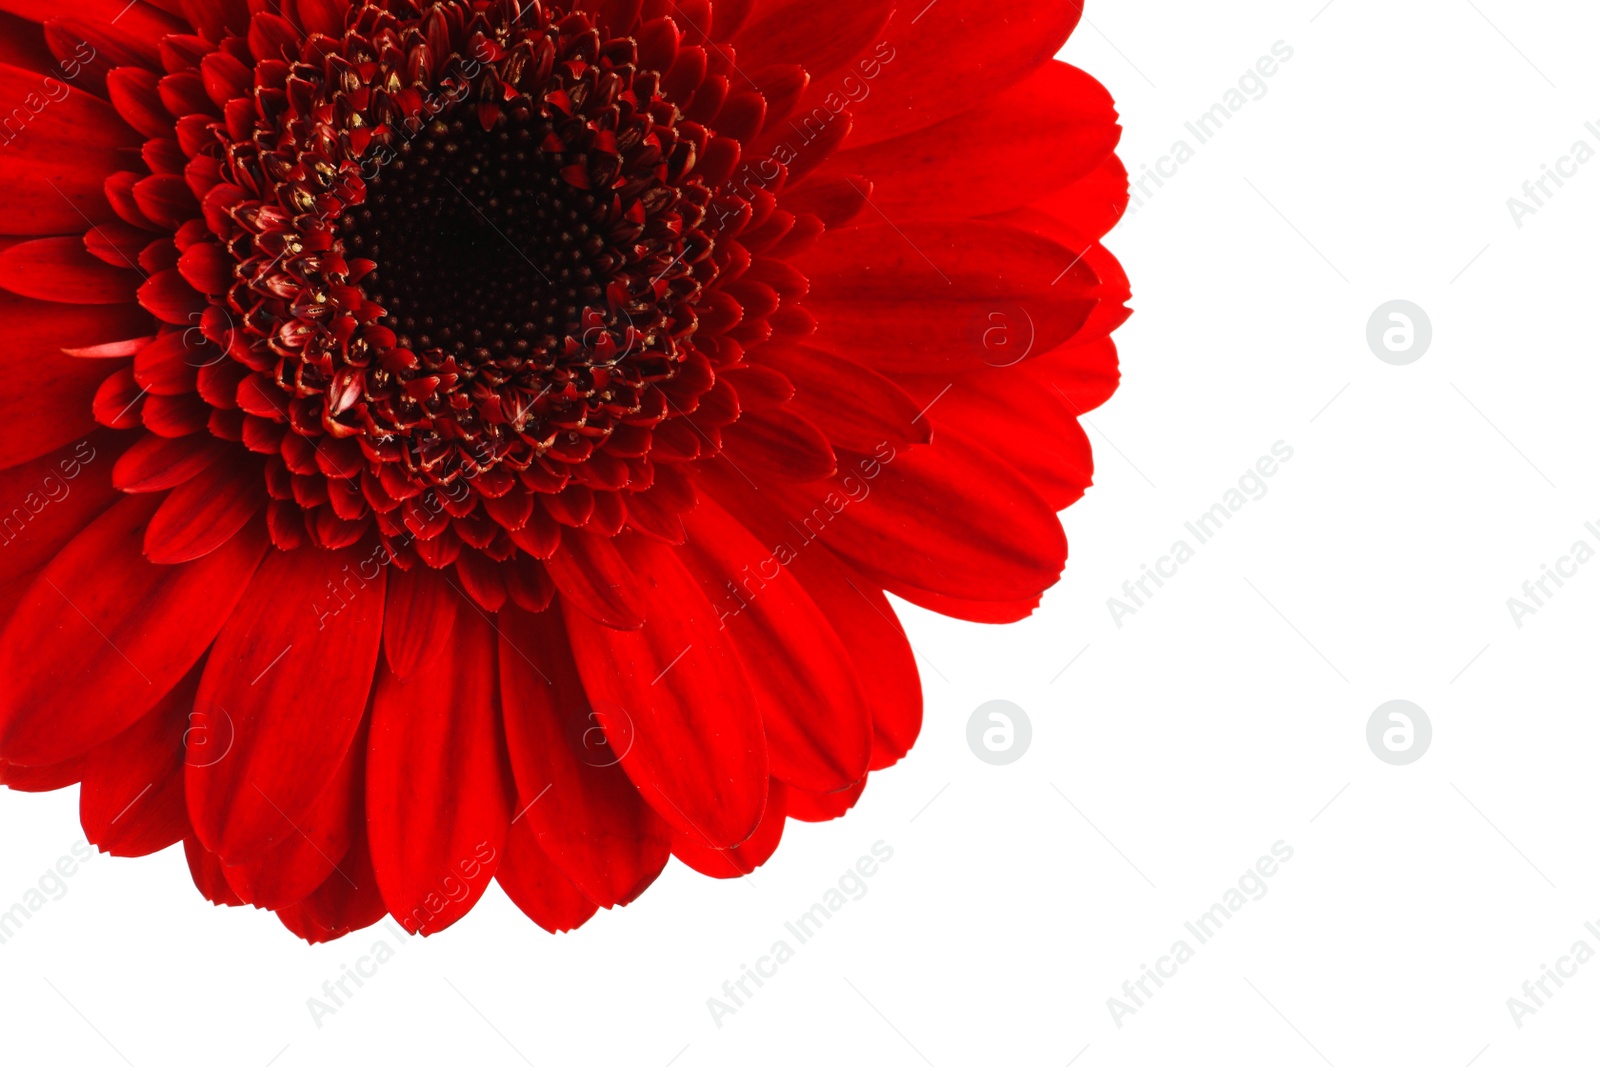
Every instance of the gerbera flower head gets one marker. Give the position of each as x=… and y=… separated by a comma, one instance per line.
x=472, y=440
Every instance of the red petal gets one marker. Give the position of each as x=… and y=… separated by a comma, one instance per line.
x=581, y=806
x=22, y=45
x=1026, y=424
x=1055, y=127
x=155, y=463
x=305, y=859
x=853, y=406
x=864, y=621
x=1094, y=204
x=592, y=577
x=42, y=779
x=88, y=52
x=118, y=401
x=116, y=244
x=48, y=398
x=794, y=34
x=166, y=200
x=992, y=612
x=218, y=18
x=61, y=270
x=171, y=299
x=206, y=870
x=132, y=798
x=1084, y=376
x=481, y=580
x=674, y=701
x=438, y=790
x=103, y=634
x=740, y=861
x=50, y=499
x=778, y=444
x=943, y=297
x=283, y=700
x=204, y=512
x=953, y=55
x=950, y=517
x=821, y=807
x=348, y=900
x=53, y=169
x=136, y=95
x=538, y=887
x=176, y=416
x=323, y=16
x=418, y=615
x=143, y=20
x=818, y=726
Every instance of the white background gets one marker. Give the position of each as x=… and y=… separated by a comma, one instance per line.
x=1228, y=714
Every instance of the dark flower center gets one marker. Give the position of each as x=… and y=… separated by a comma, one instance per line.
x=474, y=252
x=483, y=250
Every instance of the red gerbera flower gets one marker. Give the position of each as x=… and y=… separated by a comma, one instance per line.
x=472, y=439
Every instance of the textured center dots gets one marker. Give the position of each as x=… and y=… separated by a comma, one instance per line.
x=484, y=250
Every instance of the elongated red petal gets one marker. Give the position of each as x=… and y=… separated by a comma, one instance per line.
x=595, y=579
x=277, y=730
x=294, y=867
x=739, y=861
x=347, y=900
x=674, y=702
x=61, y=270
x=436, y=735
x=944, y=297
x=951, y=56
x=537, y=886
x=204, y=512
x=818, y=726
x=55, y=162
x=1056, y=127
x=52, y=498
x=865, y=622
x=586, y=814
x=418, y=616
x=132, y=799
x=789, y=34
x=103, y=634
